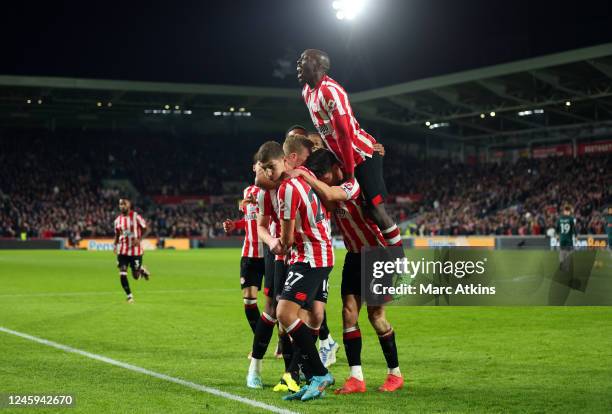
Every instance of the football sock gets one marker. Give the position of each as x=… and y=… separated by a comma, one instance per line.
x=387, y=343
x=352, y=345
x=124, y=283
x=263, y=334
x=251, y=311
x=303, y=336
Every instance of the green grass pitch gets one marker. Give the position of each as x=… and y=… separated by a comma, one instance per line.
x=188, y=322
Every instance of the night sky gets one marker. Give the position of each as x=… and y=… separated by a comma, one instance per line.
x=240, y=42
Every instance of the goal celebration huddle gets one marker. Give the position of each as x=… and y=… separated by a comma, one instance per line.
x=299, y=187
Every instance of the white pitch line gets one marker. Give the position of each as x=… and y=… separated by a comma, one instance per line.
x=134, y=368
x=114, y=292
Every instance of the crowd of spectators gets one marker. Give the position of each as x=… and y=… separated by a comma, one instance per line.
x=65, y=184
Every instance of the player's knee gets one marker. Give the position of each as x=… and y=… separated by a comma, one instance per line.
x=316, y=315
x=286, y=313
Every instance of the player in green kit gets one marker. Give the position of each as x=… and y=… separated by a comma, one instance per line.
x=566, y=232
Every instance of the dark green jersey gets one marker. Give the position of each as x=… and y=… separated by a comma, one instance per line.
x=566, y=229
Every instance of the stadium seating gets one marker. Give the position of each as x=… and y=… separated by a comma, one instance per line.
x=48, y=189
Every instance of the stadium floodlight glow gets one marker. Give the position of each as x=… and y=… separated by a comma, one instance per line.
x=232, y=109
x=482, y=116
x=166, y=106
x=347, y=9
x=40, y=101
x=241, y=109
x=110, y=104
x=492, y=113
x=531, y=112
x=29, y=101
x=568, y=103
x=98, y=104
x=439, y=125
x=177, y=107
x=427, y=123
x=217, y=113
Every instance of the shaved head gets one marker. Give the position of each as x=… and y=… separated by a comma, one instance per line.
x=321, y=57
x=312, y=65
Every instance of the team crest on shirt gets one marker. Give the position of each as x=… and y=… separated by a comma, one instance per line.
x=330, y=105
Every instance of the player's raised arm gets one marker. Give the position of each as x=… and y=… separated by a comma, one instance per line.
x=337, y=111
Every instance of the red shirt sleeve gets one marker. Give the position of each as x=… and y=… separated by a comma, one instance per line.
x=240, y=224
x=351, y=188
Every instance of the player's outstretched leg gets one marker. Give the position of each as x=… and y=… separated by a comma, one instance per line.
x=387, y=225
x=386, y=337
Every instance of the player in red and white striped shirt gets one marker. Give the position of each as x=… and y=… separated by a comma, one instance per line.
x=358, y=231
x=306, y=236
x=252, y=264
x=129, y=227
x=333, y=118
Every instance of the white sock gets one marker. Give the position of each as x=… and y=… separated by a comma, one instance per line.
x=357, y=372
x=255, y=367
x=130, y=296
x=330, y=339
x=394, y=371
x=324, y=343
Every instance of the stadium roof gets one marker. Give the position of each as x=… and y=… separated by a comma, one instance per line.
x=573, y=89
x=561, y=95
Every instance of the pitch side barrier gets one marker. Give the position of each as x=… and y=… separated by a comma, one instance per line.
x=32, y=244
x=599, y=241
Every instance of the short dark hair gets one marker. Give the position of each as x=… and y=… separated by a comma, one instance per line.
x=321, y=162
x=297, y=126
x=270, y=150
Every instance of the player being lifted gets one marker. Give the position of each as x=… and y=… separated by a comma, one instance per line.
x=333, y=118
x=306, y=236
x=359, y=231
x=252, y=265
x=129, y=227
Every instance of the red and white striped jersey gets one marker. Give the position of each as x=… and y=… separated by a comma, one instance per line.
x=333, y=118
x=267, y=204
x=252, y=246
x=129, y=228
x=313, y=242
x=357, y=229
